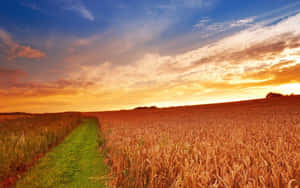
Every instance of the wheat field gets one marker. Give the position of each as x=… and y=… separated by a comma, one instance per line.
x=25, y=138
x=244, y=144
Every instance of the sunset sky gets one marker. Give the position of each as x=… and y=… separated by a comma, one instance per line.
x=95, y=55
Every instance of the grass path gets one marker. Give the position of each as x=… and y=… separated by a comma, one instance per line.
x=76, y=162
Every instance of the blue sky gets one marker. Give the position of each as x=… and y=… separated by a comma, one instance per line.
x=52, y=48
x=84, y=18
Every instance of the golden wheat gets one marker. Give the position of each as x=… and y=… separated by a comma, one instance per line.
x=251, y=144
x=22, y=138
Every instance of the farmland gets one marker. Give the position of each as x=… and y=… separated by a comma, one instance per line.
x=76, y=162
x=243, y=144
x=25, y=138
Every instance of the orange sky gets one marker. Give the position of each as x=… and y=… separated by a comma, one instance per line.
x=244, y=65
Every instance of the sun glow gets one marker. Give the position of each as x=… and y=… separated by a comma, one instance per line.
x=287, y=89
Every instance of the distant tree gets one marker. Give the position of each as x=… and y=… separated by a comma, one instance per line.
x=145, y=107
x=14, y=113
x=273, y=95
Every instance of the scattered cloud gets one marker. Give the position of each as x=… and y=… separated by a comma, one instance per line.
x=254, y=48
x=14, y=50
x=259, y=56
x=223, y=61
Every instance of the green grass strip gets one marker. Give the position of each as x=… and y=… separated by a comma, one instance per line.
x=76, y=162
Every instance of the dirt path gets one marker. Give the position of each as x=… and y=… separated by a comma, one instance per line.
x=76, y=162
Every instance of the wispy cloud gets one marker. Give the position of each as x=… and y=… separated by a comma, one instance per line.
x=242, y=22
x=70, y=5
x=215, y=66
x=115, y=46
x=202, y=23
x=190, y=4
x=31, y=5
x=209, y=28
x=14, y=50
x=262, y=53
x=254, y=48
x=80, y=8
x=207, y=25
x=175, y=7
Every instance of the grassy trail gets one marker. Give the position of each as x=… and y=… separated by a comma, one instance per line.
x=76, y=162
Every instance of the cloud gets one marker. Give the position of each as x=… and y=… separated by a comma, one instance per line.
x=208, y=28
x=192, y=3
x=5, y=37
x=175, y=7
x=31, y=5
x=117, y=47
x=269, y=77
x=202, y=23
x=282, y=73
x=79, y=7
x=14, y=50
x=268, y=49
x=223, y=61
x=246, y=64
x=207, y=22
x=25, y=52
x=40, y=89
x=242, y=22
x=9, y=77
x=48, y=7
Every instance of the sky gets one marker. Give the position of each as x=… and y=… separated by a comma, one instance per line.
x=97, y=55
